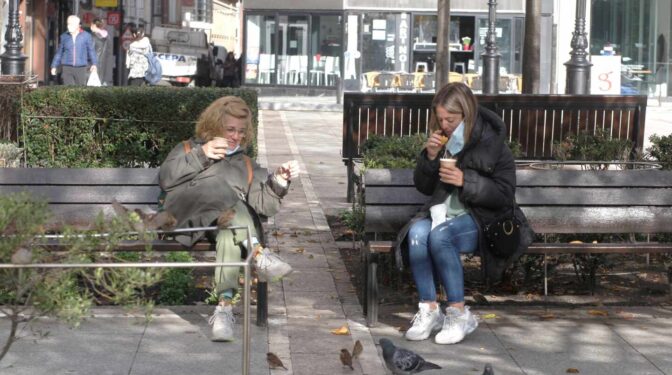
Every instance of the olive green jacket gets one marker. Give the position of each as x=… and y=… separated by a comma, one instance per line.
x=199, y=189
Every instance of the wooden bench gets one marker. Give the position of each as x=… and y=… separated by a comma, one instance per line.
x=534, y=121
x=554, y=201
x=77, y=196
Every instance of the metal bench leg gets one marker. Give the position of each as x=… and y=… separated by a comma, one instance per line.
x=351, y=173
x=372, y=290
x=545, y=276
x=262, y=304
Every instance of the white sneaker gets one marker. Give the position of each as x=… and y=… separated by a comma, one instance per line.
x=270, y=267
x=222, y=323
x=424, y=322
x=456, y=326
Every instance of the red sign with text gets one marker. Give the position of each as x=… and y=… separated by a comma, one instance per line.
x=114, y=18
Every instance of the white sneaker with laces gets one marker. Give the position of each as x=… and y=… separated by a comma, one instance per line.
x=424, y=322
x=456, y=325
x=222, y=323
x=270, y=267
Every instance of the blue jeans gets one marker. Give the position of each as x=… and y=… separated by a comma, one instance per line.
x=439, y=251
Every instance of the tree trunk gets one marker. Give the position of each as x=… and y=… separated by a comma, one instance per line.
x=442, y=41
x=531, y=54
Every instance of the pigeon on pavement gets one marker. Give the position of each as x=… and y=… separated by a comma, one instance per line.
x=402, y=361
x=346, y=358
x=274, y=361
x=488, y=370
x=357, y=350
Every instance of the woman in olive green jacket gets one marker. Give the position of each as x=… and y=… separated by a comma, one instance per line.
x=209, y=179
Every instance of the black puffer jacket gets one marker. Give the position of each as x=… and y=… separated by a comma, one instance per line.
x=488, y=190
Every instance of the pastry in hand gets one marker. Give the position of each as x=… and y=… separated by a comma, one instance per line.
x=444, y=139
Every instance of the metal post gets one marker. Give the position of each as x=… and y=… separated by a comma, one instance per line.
x=491, y=56
x=13, y=61
x=578, y=66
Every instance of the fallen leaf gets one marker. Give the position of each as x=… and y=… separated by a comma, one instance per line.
x=572, y=370
x=575, y=242
x=489, y=316
x=341, y=331
x=625, y=315
x=299, y=250
x=598, y=313
x=549, y=316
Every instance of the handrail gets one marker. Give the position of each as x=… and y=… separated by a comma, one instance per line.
x=247, y=266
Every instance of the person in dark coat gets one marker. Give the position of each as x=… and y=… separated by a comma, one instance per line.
x=474, y=190
x=209, y=180
x=101, y=42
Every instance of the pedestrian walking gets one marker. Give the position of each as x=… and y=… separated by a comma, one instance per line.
x=136, y=61
x=75, y=53
x=230, y=70
x=101, y=43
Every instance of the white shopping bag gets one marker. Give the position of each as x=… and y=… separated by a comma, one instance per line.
x=94, y=80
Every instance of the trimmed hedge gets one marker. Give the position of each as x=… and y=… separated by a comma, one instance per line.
x=86, y=127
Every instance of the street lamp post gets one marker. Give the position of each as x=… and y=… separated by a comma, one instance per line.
x=578, y=66
x=13, y=61
x=491, y=57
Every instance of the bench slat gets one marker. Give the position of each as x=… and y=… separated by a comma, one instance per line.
x=79, y=176
x=388, y=195
x=389, y=219
x=84, y=214
x=574, y=178
x=89, y=194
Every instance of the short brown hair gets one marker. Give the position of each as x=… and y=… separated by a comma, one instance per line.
x=455, y=97
x=211, y=121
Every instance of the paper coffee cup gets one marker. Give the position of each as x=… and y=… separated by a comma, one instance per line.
x=448, y=162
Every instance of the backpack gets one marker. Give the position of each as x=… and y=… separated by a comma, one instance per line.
x=187, y=149
x=154, y=70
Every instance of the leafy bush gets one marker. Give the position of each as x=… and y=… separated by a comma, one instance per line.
x=661, y=150
x=177, y=282
x=392, y=152
x=592, y=147
x=114, y=126
x=354, y=220
x=27, y=293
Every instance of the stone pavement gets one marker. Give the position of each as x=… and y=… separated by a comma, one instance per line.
x=319, y=297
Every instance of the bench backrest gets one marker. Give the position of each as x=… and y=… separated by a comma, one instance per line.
x=555, y=201
x=76, y=196
x=535, y=121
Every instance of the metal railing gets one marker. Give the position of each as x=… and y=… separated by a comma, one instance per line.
x=246, y=264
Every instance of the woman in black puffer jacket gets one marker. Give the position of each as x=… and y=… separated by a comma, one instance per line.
x=475, y=190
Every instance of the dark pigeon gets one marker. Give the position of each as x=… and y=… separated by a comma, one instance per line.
x=488, y=370
x=402, y=361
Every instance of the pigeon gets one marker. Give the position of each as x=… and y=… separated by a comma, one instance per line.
x=357, y=350
x=142, y=221
x=274, y=361
x=488, y=370
x=402, y=361
x=346, y=358
x=22, y=256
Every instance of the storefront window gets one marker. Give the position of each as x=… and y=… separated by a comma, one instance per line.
x=327, y=47
x=627, y=28
x=301, y=50
x=260, y=56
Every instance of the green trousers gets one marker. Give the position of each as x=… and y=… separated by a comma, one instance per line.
x=229, y=245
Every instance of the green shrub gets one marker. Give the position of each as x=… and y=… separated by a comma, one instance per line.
x=392, y=152
x=661, y=150
x=599, y=146
x=114, y=126
x=177, y=282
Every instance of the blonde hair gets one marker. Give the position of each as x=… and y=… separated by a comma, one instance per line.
x=455, y=97
x=211, y=122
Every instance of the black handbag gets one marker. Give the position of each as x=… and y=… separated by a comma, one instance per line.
x=502, y=235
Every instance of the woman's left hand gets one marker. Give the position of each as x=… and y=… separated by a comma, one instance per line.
x=451, y=175
x=288, y=170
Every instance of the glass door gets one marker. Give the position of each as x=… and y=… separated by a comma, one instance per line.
x=293, y=53
x=503, y=40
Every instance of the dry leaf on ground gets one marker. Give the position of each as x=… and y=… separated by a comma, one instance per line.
x=572, y=370
x=299, y=250
x=341, y=331
x=598, y=312
x=549, y=316
x=489, y=316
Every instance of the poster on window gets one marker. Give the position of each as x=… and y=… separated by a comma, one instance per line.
x=605, y=75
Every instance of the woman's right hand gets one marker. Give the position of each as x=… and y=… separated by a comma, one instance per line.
x=434, y=144
x=216, y=148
